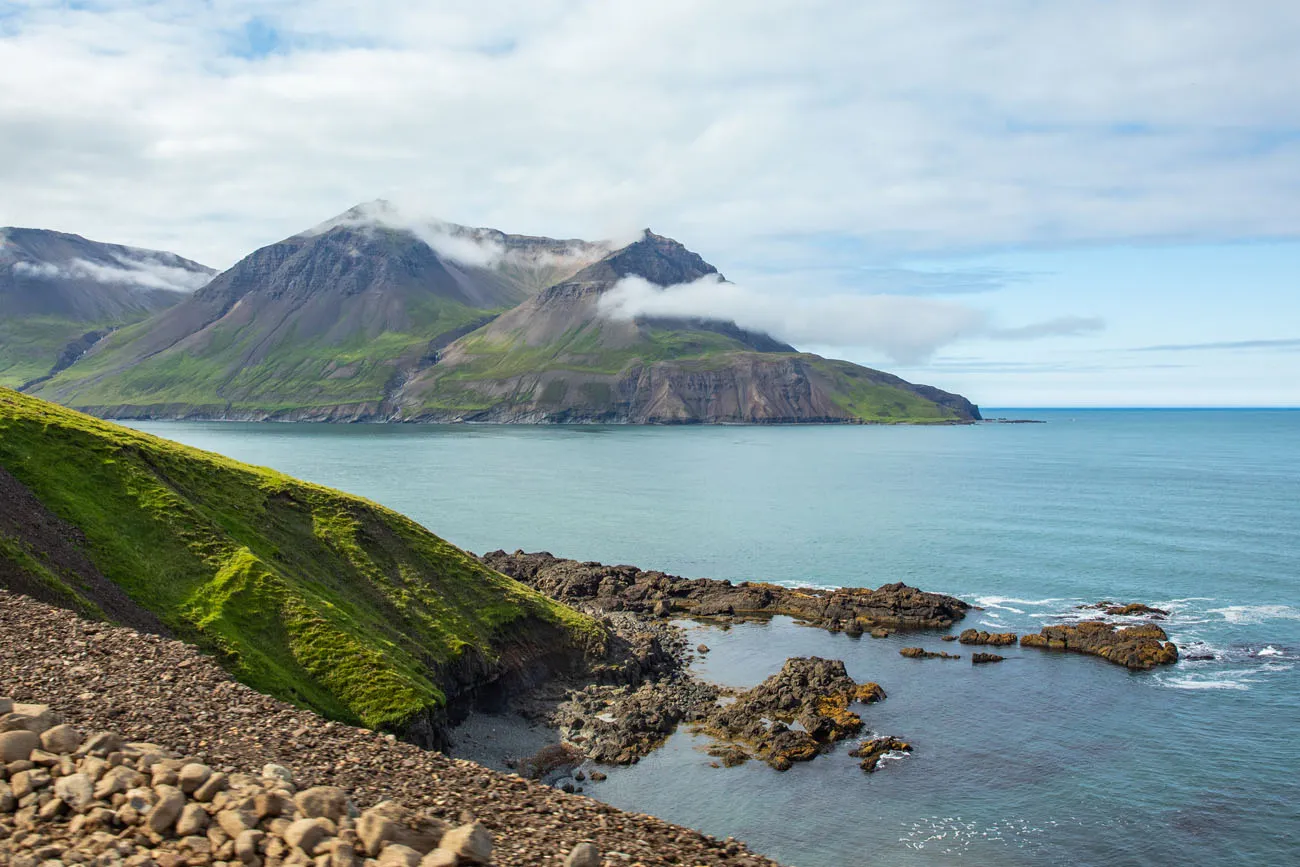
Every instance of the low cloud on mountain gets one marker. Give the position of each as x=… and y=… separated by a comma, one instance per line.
x=144, y=274
x=907, y=329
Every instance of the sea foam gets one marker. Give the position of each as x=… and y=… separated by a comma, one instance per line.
x=1248, y=614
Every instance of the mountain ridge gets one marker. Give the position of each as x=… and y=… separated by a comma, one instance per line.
x=60, y=293
x=372, y=316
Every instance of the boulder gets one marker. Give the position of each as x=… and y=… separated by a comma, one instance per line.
x=982, y=658
x=397, y=855
x=997, y=639
x=76, y=790
x=326, y=802
x=61, y=739
x=17, y=745
x=469, y=843
x=193, y=820
x=307, y=834
x=167, y=809
x=191, y=776
x=583, y=855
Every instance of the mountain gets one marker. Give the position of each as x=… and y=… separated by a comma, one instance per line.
x=558, y=357
x=375, y=316
x=59, y=293
x=320, y=325
x=305, y=593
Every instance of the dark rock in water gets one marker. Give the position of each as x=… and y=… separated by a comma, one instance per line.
x=980, y=658
x=598, y=776
x=948, y=638
x=1135, y=608
x=703, y=648
x=880, y=632
x=872, y=751
x=730, y=754
x=997, y=639
x=626, y=588
x=1136, y=647
x=922, y=653
x=813, y=692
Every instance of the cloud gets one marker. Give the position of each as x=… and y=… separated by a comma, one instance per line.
x=474, y=248
x=1061, y=326
x=900, y=127
x=143, y=274
x=909, y=330
x=1281, y=343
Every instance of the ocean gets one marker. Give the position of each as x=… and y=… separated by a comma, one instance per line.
x=1042, y=759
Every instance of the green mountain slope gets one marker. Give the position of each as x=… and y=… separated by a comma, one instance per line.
x=557, y=357
x=59, y=293
x=306, y=593
x=322, y=325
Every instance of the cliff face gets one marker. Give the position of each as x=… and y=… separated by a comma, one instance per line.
x=559, y=357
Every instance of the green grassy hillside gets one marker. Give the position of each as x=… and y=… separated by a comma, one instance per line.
x=236, y=369
x=306, y=593
x=29, y=347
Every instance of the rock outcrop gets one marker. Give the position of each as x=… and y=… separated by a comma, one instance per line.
x=1132, y=609
x=873, y=750
x=627, y=588
x=794, y=715
x=982, y=658
x=922, y=653
x=1136, y=647
x=997, y=639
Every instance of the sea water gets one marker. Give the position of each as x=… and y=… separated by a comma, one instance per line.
x=1042, y=759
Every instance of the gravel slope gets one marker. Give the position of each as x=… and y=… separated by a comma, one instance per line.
x=154, y=689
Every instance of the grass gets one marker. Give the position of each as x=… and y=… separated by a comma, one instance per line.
x=309, y=594
x=30, y=346
x=295, y=373
x=870, y=397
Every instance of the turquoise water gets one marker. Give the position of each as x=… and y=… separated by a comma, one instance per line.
x=1042, y=759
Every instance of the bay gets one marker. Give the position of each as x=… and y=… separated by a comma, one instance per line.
x=1043, y=758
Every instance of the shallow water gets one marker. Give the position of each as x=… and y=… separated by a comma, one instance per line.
x=1043, y=758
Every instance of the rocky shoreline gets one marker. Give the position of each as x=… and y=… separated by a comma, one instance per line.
x=602, y=589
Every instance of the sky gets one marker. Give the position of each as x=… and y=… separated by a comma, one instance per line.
x=1032, y=203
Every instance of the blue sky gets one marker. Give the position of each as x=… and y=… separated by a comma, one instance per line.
x=1012, y=199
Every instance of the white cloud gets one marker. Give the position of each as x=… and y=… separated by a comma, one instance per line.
x=908, y=329
x=143, y=274
x=895, y=125
x=459, y=244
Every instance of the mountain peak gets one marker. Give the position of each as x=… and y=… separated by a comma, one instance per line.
x=657, y=258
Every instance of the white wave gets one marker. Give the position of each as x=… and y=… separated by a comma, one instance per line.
x=1270, y=650
x=805, y=585
x=993, y=624
x=1250, y=614
x=1002, y=602
x=1211, y=681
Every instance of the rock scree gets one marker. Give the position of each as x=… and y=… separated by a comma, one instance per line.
x=204, y=740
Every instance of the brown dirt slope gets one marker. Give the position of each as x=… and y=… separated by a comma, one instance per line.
x=166, y=692
x=42, y=555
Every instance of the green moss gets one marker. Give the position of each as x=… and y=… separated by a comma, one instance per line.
x=309, y=594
